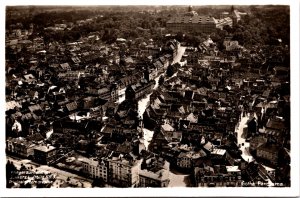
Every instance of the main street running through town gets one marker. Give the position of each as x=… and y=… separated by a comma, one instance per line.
x=241, y=140
x=176, y=179
x=144, y=102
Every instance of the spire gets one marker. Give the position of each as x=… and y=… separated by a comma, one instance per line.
x=190, y=8
x=232, y=9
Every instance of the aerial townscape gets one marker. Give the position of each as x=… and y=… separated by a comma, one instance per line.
x=147, y=96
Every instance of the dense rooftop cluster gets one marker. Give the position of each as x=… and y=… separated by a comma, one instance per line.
x=221, y=116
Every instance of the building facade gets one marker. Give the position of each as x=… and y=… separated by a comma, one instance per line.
x=124, y=172
x=218, y=176
x=205, y=24
x=95, y=168
x=20, y=147
x=45, y=154
x=154, y=179
x=268, y=152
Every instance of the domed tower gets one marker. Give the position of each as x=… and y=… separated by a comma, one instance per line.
x=191, y=12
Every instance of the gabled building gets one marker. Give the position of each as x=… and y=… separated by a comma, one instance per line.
x=154, y=173
x=269, y=152
x=139, y=89
x=123, y=170
x=95, y=168
x=20, y=147
x=205, y=24
x=45, y=154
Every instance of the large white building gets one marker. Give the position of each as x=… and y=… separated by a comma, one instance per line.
x=155, y=174
x=195, y=23
x=191, y=21
x=124, y=170
x=95, y=168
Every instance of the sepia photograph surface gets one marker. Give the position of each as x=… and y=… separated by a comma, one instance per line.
x=148, y=96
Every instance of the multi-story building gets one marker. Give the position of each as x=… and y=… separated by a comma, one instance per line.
x=95, y=168
x=256, y=142
x=191, y=21
x=218, y=176
x=139, y=89
x=221, y=23
x=184, y=160
x=20, y=146
x=123, y=170
x=268, y=152
x=206, y=24
x=154, y=173
x=154, y=179
x=45, y=154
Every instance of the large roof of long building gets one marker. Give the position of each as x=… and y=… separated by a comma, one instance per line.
x=194, y=19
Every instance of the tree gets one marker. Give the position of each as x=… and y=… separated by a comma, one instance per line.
x=10, y=172
x=161, y=80
x=179, y=36
x=98, y=182
x=90, y=148
x=228, y=29
x=170, y=70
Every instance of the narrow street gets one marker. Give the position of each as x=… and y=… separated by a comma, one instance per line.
x=178, y=57
x=144, y=102
x=176, y=179
x=142, y=105
x=241, y=140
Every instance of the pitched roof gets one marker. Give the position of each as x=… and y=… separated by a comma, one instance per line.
x=33, y=108
x=65, y=66
x=194, y=20
x=71, y=106
x=273, y=148
x=192, y=118
x=12, y=105
x=218, y=152
x=45, y=148
x=167, y=127
x=35, y=137
x=208, y=146
x=275, y=124
x=103, y=90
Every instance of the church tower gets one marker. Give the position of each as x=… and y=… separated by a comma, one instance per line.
x=234, y=15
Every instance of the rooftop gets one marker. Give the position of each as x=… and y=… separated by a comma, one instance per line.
x=194, y=20
x=45, y=148
x=161, y=175
x=218, y=151
x=232, y=169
